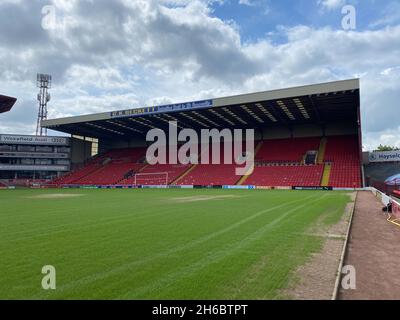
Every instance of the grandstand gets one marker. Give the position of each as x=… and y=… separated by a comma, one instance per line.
x=6, y=103
x=307, y=136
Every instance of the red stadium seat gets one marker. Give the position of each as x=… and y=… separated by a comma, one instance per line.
x=343, y=153
x=278, y=163
x=158, y=174
x=273, y=176
x=211, y=174
x=111, y=173
x=107, y=169
x=287, y=150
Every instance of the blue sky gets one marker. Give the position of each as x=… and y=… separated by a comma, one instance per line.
x=116, y=54
x=259, y=18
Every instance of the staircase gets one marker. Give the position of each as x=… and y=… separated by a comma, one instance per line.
x=243, y=179
x=321, y=151
x=130, y=174
x=310, y=158
x=90, y=172
x=185, y=173
x=125, y=178
x=303, y=160
x=326, y=175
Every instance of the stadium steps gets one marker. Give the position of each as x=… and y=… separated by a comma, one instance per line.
x=343, y=153
x=185, y=173
x=321, y=151
x=138, y=171
x=243, y=179
x=258, y=147
x=303, y=160
x=142, y=168
x=326, y=175
x=81, y=173
x=133, y=173
x=88, y=173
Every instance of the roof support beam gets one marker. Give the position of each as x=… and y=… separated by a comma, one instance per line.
x=315, y=108
x=273, y=110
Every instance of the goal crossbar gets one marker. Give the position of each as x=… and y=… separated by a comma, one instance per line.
x=151, y=174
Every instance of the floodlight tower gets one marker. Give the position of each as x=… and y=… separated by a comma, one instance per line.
x=43, y=82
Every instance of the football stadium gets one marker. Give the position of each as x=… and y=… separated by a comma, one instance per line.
x=305, y=137
x=116, y=226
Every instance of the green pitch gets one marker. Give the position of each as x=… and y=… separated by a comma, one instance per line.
x=159, y=244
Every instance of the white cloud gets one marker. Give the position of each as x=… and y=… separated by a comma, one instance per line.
x=331, y=4
x=390, y=15
x=390, y=71
x=387, y=137
x=125, y=54
x=246, y=2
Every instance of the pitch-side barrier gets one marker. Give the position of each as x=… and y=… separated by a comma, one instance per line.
x=393, y=215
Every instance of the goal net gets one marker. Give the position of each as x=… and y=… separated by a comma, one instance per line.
x=151, y=179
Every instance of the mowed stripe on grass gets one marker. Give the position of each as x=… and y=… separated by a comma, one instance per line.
x=135, y=244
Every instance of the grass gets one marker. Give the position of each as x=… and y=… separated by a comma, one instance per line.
x=159, y=244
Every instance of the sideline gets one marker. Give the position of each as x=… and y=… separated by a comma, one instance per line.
x=344, y=251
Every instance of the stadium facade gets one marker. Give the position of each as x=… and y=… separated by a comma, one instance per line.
x=24, y=158
x=308, y=136
x=29, y=160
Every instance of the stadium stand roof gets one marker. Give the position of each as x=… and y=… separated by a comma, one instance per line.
x=319, y=103
x=6, y=103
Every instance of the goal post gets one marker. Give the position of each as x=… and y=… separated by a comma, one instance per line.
x=154, y=178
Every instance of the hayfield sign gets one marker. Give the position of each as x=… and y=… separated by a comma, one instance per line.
x=384, y=156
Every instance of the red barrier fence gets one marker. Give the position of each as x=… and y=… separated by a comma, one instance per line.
x=396, y=210
x=387, y=189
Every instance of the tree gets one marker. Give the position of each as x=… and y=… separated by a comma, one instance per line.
x=387, y=148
